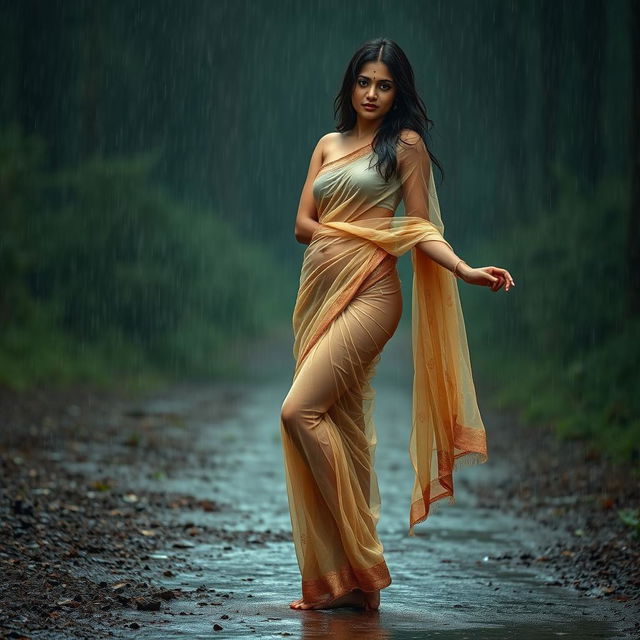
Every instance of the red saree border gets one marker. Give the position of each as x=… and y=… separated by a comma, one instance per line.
x=472, y=449
x=381, y=271
x=346, y=578
x=341, y=302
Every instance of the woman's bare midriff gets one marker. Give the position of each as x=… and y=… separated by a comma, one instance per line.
x=328, y=254
x=377, y=212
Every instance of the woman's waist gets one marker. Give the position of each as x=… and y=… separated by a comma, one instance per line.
x=357, y=231
x=339, y=242
x=326, y=269
x=329, y=255
x=377, y=213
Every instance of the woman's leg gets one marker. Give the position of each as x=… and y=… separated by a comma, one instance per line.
x=327, y=437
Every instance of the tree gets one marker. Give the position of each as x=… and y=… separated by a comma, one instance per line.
x=551, y=30
x=633, y=238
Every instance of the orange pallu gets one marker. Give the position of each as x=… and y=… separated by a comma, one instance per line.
x=347, y=307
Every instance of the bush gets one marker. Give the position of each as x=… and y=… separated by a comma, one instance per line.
x=559, y=345
x=102, y=271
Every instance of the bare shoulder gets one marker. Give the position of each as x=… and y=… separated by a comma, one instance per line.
x=323, y=143
x=328, y=142
x=332, y=136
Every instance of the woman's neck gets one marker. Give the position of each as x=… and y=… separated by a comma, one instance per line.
x=364, y=130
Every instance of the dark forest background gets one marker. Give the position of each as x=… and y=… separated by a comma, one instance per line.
x=152, y=155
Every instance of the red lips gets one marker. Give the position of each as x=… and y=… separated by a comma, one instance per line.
x=370, y=106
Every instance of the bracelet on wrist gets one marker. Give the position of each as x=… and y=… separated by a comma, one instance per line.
x=455, y=269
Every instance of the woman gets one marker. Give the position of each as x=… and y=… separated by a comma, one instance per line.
x=348, y=306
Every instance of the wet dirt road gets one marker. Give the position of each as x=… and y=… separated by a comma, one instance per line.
x=449, y=581
x=470, y=571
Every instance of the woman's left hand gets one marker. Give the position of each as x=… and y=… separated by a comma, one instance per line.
x=493, y=277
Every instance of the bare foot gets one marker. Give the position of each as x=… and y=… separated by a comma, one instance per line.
x=367, y=600
x=352, y=599
x=371, y=600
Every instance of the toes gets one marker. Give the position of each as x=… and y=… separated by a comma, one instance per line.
x=300, y=604
x=355, y=598
x=372, y=601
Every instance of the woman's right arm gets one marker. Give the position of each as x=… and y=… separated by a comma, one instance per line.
x=307, y=217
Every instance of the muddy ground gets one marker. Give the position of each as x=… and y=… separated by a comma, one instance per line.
x=82, y=553
x=574, y=491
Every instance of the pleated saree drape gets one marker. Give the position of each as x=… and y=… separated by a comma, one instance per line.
x=348, y=306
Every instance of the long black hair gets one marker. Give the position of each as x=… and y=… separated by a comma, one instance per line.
x=408, y=111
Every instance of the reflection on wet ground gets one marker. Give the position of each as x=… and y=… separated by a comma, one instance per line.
x=449, y=581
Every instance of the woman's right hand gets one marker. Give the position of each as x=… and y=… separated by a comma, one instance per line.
x=493, y=277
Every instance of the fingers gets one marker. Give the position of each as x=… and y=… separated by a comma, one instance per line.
x=504, y=277
x=496, y=278
x=508, y=280
x=511, y=280
x=493, y=280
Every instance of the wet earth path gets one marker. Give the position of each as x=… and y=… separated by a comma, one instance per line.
x=197, y=473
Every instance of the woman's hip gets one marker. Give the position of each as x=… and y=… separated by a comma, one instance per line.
x=380, y=295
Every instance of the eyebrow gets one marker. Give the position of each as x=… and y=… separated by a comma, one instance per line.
x=360, y=75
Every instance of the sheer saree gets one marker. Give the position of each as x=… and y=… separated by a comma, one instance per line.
x=348, y=305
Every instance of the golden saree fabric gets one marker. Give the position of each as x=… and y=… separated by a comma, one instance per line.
x=348, y=305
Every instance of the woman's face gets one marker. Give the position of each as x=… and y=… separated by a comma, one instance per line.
x=374, y=86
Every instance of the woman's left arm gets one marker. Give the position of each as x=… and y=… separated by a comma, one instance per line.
x=494, y=277
x=415, y=171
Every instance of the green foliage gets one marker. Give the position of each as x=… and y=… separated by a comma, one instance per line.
x=559, y=345
x=631, y=517
x=103, y=272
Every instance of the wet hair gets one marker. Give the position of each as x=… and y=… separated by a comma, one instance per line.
x=408, y=112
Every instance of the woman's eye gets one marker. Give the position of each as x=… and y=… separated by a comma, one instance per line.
x=386, y=87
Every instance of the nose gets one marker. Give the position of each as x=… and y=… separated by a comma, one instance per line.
x=371, y=93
